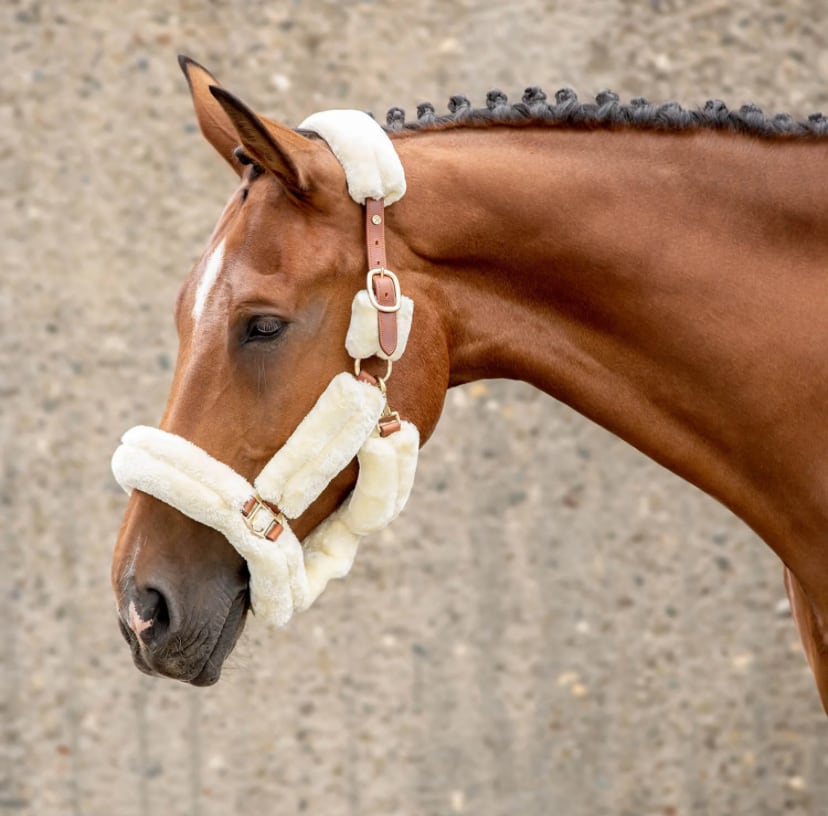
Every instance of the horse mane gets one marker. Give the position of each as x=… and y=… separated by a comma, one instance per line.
x=607, y=111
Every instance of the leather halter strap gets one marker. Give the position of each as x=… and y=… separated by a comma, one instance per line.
x=383, y=285
x=375, y=232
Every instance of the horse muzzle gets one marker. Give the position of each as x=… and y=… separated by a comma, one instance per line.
x=166, y=642
x=182, y=592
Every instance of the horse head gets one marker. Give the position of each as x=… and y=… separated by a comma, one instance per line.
x=262, y=320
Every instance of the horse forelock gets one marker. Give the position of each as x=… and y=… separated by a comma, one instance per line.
x=605, y=112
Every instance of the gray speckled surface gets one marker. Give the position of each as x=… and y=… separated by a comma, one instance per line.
x=555, y=626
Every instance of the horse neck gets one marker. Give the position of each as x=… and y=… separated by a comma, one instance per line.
x=640, y=277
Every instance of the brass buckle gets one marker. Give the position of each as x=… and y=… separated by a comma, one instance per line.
x=389, y=422
x=380, y=270
x=261, y=520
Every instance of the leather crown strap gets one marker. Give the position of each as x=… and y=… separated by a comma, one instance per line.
x=381, y=282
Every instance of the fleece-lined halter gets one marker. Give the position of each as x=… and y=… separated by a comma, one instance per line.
x=350, y=418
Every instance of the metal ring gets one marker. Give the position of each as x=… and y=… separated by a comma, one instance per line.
x=383, y=380
x=380, y=380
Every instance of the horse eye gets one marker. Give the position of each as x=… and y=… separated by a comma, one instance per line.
x=265, y=327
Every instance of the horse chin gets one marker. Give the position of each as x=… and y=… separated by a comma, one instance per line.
x=226, y=642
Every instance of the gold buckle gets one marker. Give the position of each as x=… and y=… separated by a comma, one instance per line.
x=389, y=422
x=261, y=520
x=380, y=270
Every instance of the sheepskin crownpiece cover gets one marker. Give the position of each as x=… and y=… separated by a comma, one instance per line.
x=371, y=164
x=287, y=575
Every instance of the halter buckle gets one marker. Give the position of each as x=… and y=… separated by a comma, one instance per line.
x=385, y=273
x=261, y=520
x=389, y=423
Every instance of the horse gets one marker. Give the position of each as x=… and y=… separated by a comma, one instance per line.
x=660, y=270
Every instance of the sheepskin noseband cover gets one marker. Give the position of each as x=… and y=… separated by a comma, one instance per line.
x=287, y=575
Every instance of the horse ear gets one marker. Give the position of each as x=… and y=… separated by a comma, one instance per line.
x=277, y=148
x=214, y=123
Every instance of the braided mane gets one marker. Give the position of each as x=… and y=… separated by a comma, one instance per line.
x=606, y=111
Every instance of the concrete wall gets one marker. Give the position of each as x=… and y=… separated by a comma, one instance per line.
x=555, y=626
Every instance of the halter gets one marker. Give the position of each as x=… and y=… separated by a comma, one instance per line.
x=351, y=418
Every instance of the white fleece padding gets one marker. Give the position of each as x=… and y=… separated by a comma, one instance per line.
x=324, y=442
x=371, y=164
x=386, y=476
x=188, y=459
x=329, y=553
x=362, y=340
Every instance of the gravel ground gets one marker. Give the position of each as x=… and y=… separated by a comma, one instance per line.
x=555, y=626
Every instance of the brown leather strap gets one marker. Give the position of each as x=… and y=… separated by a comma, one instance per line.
x=367, y=377
x=383, y=286
x=389, y=425
x=375, y=231
x=385, y=294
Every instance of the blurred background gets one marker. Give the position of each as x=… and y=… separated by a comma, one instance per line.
x=555, y=625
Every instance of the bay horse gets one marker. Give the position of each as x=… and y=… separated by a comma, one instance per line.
x=662, y=271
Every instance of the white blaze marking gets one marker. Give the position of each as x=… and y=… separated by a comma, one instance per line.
x=208, y=280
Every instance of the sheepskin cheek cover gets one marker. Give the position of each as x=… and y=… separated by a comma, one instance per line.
x=322, y=445
x=362, y=340
x=386, y=476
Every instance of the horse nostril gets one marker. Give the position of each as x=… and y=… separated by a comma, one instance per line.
x=149, y=615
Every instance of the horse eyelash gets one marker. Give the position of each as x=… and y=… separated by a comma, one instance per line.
x=241, y=156
x=245, y=160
